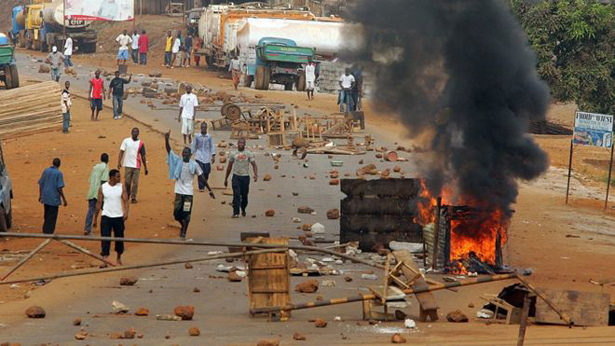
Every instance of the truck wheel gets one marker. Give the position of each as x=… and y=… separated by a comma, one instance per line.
x=267, y=78
x=301, y=81
x=248, y=81
x=9, y=219
x=22, y=39
x=3, y=224
x=8, y=77
x=260, y=78
x=14, y=76
x=288, y=86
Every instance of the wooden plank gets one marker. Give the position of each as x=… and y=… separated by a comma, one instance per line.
x=426, y=299
x=270, y=287
x=407, y=188
x=584, y=308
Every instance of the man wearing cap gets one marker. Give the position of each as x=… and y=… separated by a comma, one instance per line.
x=55, y=59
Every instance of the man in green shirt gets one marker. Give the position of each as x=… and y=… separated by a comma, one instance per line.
x=239, y=163
x=99, y=175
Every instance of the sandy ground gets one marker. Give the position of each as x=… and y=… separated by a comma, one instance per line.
x=79, y=150
x=565, y=245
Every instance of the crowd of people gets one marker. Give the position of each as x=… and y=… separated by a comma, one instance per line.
x=179, y=50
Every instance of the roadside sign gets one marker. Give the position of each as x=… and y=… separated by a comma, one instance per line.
x=593, y=129
x=107, y=10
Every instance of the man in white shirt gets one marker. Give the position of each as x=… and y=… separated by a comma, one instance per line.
x=346, y=83
x=68, y=52
x=187, y=112
x=124, y=40
x=177, y=43
x=132, y=155
x=310, y=78
x=135, y=47
x=66, y=104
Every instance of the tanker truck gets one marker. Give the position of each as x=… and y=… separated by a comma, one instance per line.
x=41, y=25
x=219, y=24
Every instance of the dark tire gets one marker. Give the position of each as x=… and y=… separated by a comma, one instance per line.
x=9, y=219
x=301, y=81
x=288, y=86
x=259, y=78
x=248, y=81
x=22, y=39
x=8, y=77
x=3, y=224
x=14, y=76
x=267, y=78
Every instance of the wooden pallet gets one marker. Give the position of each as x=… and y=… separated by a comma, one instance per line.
x=269, y=278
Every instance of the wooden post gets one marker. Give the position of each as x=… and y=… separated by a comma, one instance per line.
x=569, y=172
x=25, y=259
x=524, y=313
x=436, y=236
x=608, y=182
x=85, y=251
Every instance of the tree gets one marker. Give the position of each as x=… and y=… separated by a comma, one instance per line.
x=574, y=42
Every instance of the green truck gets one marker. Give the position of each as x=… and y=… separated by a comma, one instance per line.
x=279, y=61
x=8, y=70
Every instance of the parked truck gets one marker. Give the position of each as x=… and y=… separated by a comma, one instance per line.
x=278, y=61
x=8, y=69
x=218, y=26
x=41, y=25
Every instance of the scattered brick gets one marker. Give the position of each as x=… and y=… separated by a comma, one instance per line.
x=185, y=312
x=35, y=312
x=310, y=286
x=320, y=323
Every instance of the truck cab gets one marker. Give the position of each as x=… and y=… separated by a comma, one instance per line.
x=279, y=61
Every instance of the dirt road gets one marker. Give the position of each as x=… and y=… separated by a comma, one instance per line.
x=538, y=238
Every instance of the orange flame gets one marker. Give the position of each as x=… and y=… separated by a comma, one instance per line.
x=475, y=232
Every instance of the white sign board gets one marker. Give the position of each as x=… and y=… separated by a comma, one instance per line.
x=593, y=129
x=109, y=10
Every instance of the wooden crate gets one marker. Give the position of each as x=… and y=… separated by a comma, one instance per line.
x=269, y=278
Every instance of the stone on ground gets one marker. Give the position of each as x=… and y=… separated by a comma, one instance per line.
x=456, y=316
x=128, y=280
x=35, y=312
x=310, y=286
x=185, y=312
x=194, y=331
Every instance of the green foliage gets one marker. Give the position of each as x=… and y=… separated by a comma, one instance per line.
x=574, y=42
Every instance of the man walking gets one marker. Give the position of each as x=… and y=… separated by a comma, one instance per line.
x=235, y=69
x=51, y=194
x=124, y=40
x=187, y=111
x=187, y=50
x=204, y=150
x=113, y=200
x=168, y=51
x=239, y=163
x=310, y=78
x=68, y=52
x=98, y=176
x=143, y=47
x=96, y=94
x=66, y=104
x=132, y=156
x=347, y=82
x=135, y=47
x=183, y=170
x=116, y=87
x=55, y=59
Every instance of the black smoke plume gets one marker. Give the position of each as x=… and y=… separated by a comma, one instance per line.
x=462, y=71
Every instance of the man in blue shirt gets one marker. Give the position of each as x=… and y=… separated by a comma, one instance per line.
x=51, y=195
x=204, y=150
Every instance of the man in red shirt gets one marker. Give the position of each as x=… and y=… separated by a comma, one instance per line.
x=143, y=48
x=96, y=94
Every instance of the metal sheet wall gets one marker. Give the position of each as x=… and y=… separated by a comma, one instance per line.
x=158, y=7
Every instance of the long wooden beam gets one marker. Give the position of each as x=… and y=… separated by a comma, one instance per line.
x=191, y=243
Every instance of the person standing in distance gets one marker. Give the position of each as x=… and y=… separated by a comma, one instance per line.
x=96, y=94
x=122, y=54
x=68, y=52
x=239, y=163
x=310, y=78
x=51, y=194
x=132, y=156
x=66, y=105
x=116, y=87
x=187, y=112
x=135, y=47
x=113, y=200
x=204, y=150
